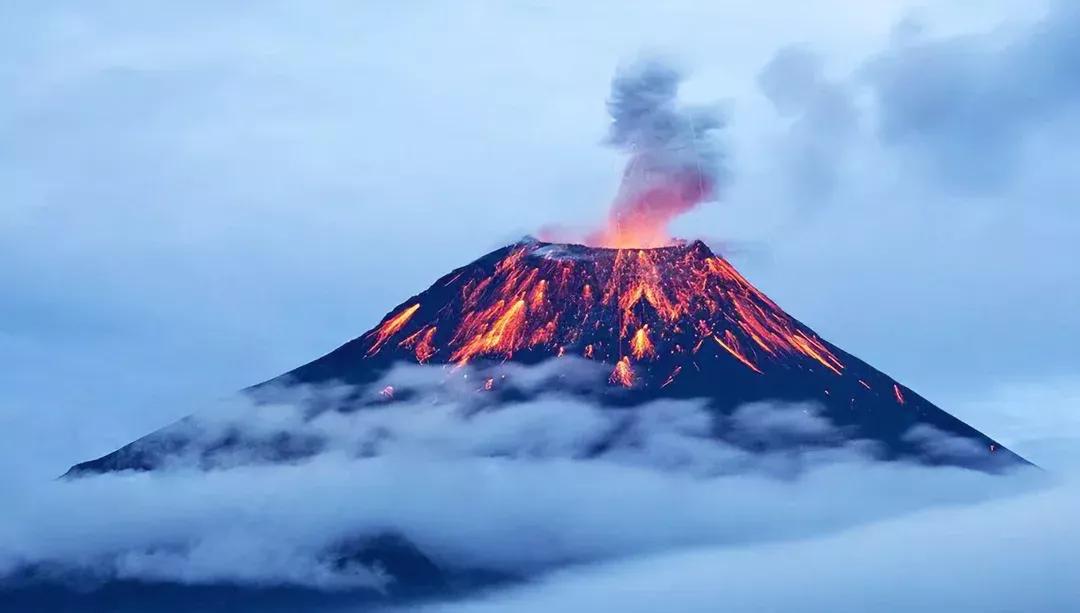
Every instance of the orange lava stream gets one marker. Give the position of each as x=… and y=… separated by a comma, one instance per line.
x=899, y=395
x=816, y=350
x=502, y=336
x=392, y=325
x=421, y=342
x=732, y=349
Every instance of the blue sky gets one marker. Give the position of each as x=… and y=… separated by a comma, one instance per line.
x=199, y=198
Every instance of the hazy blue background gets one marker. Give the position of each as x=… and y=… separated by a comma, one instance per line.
x=199, y=196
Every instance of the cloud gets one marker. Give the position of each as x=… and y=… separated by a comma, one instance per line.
x=824, y=120
x=941, y=445
x=1005, y=555
x=518, y=489
x=960, y=108
x=944, y=157
x=967, y=105
x=766, y=423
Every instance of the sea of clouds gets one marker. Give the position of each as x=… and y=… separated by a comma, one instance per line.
x=582, y=504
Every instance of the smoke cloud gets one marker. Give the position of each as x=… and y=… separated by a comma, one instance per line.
x=967, y=106
x=822, y=117
x=676, y=161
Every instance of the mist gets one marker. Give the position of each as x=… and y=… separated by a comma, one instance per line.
x=518, y=489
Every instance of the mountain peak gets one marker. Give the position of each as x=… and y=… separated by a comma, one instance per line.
x=696, y=246
x=554, y=299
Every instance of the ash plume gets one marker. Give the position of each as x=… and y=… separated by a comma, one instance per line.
x=676, y=160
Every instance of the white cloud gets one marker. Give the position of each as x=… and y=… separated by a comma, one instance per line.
x=520, y=488
x=1009, y=555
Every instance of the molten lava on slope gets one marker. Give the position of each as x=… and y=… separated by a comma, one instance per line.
x=635, y=308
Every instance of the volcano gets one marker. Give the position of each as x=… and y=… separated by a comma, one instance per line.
x=668, y=322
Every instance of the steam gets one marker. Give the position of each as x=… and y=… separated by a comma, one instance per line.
x=676, y=161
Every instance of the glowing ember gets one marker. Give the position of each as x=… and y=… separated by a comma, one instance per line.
x=502, y=335
x=732, y=347
x=391, y=326
x=421, y=343
x=640, y=345
x=671, y=377
x=623, y=374
x=387, y=392
x=898, y=393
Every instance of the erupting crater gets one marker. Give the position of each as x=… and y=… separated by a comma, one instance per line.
x=645, y=311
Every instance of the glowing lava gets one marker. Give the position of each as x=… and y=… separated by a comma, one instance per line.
x=421, y=343
x=623, y=374
x=732, y=347
x=503, y=335
x=639, y=220
x=640, y=344
x=391, y=326
x=626, y=307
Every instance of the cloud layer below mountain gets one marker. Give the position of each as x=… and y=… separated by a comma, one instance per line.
x=523, y=489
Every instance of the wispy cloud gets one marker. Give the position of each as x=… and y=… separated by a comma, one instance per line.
x=520, y=488
x=1006, y=555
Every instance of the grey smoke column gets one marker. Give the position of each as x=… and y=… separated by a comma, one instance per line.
x=676, y=160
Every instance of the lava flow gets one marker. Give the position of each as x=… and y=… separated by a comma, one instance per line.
x=631, y=308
